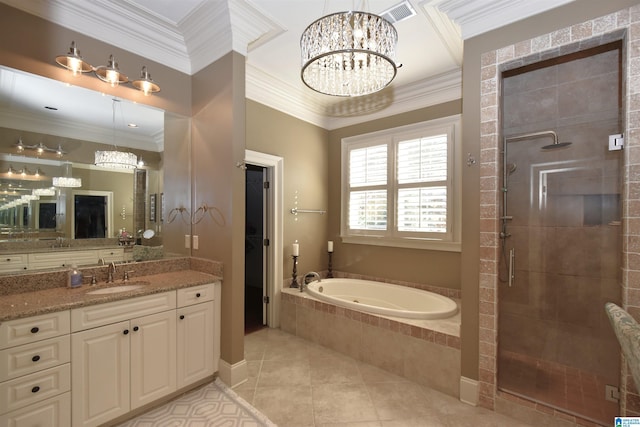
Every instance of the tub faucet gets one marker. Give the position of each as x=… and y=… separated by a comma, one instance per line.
x=308, y=278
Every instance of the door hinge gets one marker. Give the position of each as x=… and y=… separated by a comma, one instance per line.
x=265, y=299
x=616, y=142
x=265, y=185
x=611, y=393
x=266, y=242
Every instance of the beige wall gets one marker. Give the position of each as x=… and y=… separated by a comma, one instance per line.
x=218, y=146
x=304, y=149
x=435, y=268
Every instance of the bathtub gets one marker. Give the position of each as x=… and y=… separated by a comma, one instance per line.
x=383, y=298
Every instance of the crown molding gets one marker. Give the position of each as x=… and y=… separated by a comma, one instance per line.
x=479, y=16
x=209, y=21
x=304, y=105
x=251, y=26
x=448, y=31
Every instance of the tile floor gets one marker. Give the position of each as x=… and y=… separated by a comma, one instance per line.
x=297, y=383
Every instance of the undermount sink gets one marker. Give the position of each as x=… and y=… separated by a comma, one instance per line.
x=118, y=288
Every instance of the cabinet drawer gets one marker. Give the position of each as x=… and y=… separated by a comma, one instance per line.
x=23, y=391
x=36, y=328
x=13, y=262
x=111, y=255
x=117, y=311
x=195, y=295
x=28, y=358
x=62, y=259
x=54, y=412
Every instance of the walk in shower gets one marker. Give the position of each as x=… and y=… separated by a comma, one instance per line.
x=560, y=232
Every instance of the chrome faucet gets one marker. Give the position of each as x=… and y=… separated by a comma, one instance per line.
x=110, y=270
x=305, y=279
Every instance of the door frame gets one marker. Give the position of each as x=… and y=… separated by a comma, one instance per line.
x=275, y=170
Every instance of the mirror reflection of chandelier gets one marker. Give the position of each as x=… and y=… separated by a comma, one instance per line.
x=115, y=159
x=348, y=54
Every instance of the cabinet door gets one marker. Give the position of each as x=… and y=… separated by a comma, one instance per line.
x=100, y=374
x=153, y=357
x=195, y=343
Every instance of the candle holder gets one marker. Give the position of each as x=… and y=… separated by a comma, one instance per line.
x=330, y=273
x=294, y=273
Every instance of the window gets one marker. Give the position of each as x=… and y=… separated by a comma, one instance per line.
x=400, y=187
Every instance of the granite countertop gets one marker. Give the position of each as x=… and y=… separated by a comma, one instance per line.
x=25, y=304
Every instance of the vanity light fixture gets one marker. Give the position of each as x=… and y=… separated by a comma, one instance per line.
x=145, y=84
x=73, y=62
x=109, y=73
x=39, y=149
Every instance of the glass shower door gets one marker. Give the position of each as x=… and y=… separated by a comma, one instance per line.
x=561, y=236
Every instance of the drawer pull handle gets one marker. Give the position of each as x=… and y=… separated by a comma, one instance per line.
x=35, y=330
x=182, y=317
x=135, y=329
x=126, y=331
x=35, y=358
x=35, y=389
x=198, y=295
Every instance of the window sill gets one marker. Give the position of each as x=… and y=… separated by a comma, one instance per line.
x=428, y=244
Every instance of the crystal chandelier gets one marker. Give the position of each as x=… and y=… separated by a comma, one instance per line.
x=116, y=159
x=348, y=54
x=66, y=181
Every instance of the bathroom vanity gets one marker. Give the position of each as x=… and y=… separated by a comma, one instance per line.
x=77, y=357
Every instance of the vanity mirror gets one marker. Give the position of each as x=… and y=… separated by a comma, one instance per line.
x=51, y=192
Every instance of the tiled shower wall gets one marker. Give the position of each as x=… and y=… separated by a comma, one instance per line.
x=623, y=24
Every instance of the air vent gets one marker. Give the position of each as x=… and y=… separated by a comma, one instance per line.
x=399, y=12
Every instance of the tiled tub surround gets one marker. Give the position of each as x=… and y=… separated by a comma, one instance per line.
x=424, y=351
x=25, y=295
x=624, y=23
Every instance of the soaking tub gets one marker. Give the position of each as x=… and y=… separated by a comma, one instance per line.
x=383, y=298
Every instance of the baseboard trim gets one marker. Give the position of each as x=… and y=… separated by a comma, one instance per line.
x=233, y=375
x=469, y=391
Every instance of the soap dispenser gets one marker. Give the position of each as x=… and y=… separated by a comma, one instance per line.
x=75, y=277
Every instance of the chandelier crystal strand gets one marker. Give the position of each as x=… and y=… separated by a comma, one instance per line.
x=348, y=54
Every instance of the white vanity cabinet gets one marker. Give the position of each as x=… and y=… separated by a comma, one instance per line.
x=195, y=334
x=117, y=367
x=61, y=258
x=35, y=379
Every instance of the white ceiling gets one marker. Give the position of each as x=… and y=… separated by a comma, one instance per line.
x=188, y=35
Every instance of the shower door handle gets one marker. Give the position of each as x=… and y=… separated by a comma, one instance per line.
x=512, y=255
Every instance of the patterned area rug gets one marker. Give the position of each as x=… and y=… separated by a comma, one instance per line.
x=214, y=405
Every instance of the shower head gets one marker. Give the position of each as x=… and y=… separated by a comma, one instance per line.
x=556, y=145
x=543, y=133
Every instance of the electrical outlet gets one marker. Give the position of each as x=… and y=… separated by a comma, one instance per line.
x=187, y=241
x=196, y=242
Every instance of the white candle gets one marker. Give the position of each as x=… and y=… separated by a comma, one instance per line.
x=296, y=249
x=330, y=246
